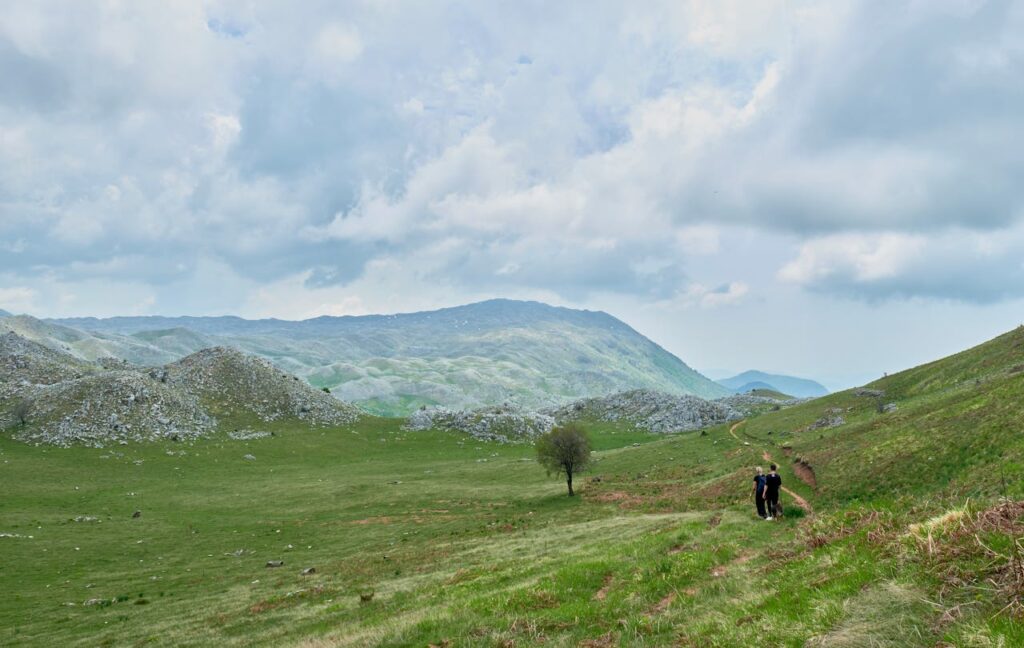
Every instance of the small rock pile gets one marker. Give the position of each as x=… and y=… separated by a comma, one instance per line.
x=650, y=410
x=832, y=418
x=504, y=424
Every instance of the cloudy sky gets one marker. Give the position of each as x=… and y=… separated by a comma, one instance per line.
x=829, y=189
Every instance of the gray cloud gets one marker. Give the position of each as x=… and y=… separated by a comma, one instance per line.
x=487, y=150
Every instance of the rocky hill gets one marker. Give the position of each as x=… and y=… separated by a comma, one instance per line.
x=113, y=407
x=464, y=358
x=229, y=383
x=48, y=396
x=25, y=364
x=650, y=410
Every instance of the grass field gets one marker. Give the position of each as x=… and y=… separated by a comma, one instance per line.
x=912, y=541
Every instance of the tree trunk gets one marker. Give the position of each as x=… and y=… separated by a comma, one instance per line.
x=568, y=480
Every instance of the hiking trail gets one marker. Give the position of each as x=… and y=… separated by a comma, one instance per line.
x=799, y=501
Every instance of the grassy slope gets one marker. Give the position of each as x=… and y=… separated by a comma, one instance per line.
x=474, y=545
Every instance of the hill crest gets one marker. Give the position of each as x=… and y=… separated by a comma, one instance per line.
x=464, y=357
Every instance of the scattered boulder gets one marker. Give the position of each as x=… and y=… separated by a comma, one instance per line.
x=889, y=408
x=830, y=420
x=309, y=571
x=249, y=457
x=869, y=393
x=136, y=515
x=275, y=563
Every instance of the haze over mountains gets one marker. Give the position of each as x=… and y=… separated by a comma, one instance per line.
x=469, y=356
x=751, y=380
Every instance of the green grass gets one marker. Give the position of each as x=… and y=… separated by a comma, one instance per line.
x=470, y=542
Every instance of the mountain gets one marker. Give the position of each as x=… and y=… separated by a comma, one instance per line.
x=149, y=348
x=798, y=387
x=4, y=313
x=465, y=357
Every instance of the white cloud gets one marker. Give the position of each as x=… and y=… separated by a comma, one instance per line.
x=483, y=147
x=17, y=299
x=953, y=264
x=335, y=46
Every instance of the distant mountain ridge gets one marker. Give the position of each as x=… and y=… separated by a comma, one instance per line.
x=471, y=356
x=753, y=379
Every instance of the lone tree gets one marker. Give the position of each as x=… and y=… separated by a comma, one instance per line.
x=564, y=450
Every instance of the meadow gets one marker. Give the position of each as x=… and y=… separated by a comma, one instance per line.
x=432, y=538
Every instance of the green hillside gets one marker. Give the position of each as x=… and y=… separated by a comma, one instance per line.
x=465, y=357
x=913, y=539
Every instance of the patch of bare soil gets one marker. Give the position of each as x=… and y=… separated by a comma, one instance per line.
x=715, y=520
x=799, y=501
x=675, y=549
x=663, y=604
x=805, y=473
x=602, y=593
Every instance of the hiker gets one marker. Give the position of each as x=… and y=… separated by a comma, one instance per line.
x=772, y=484
x=759, y=491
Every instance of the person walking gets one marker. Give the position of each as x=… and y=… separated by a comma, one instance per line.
x=759, y=491
x=772, y=484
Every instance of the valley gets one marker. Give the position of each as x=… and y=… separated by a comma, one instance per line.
x=432, y=537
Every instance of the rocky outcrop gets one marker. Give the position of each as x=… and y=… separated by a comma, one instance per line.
x=25, y=364
x=55, y=398
x=112, y=407
x=650, y=410
x=230, y=382
x=505, y=424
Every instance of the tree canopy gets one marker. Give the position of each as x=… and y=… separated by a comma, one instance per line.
x=564, y=450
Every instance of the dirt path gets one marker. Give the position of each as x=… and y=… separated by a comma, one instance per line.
x=799, y=501
x=735, y=425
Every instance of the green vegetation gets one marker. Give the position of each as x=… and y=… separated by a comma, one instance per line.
x=426, y=537
x=465, y=357
x=565, y=451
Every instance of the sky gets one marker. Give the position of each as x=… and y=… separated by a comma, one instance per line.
x=831, y=190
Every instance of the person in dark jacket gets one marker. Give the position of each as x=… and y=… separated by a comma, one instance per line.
x=772, y=485
x=759, y=491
